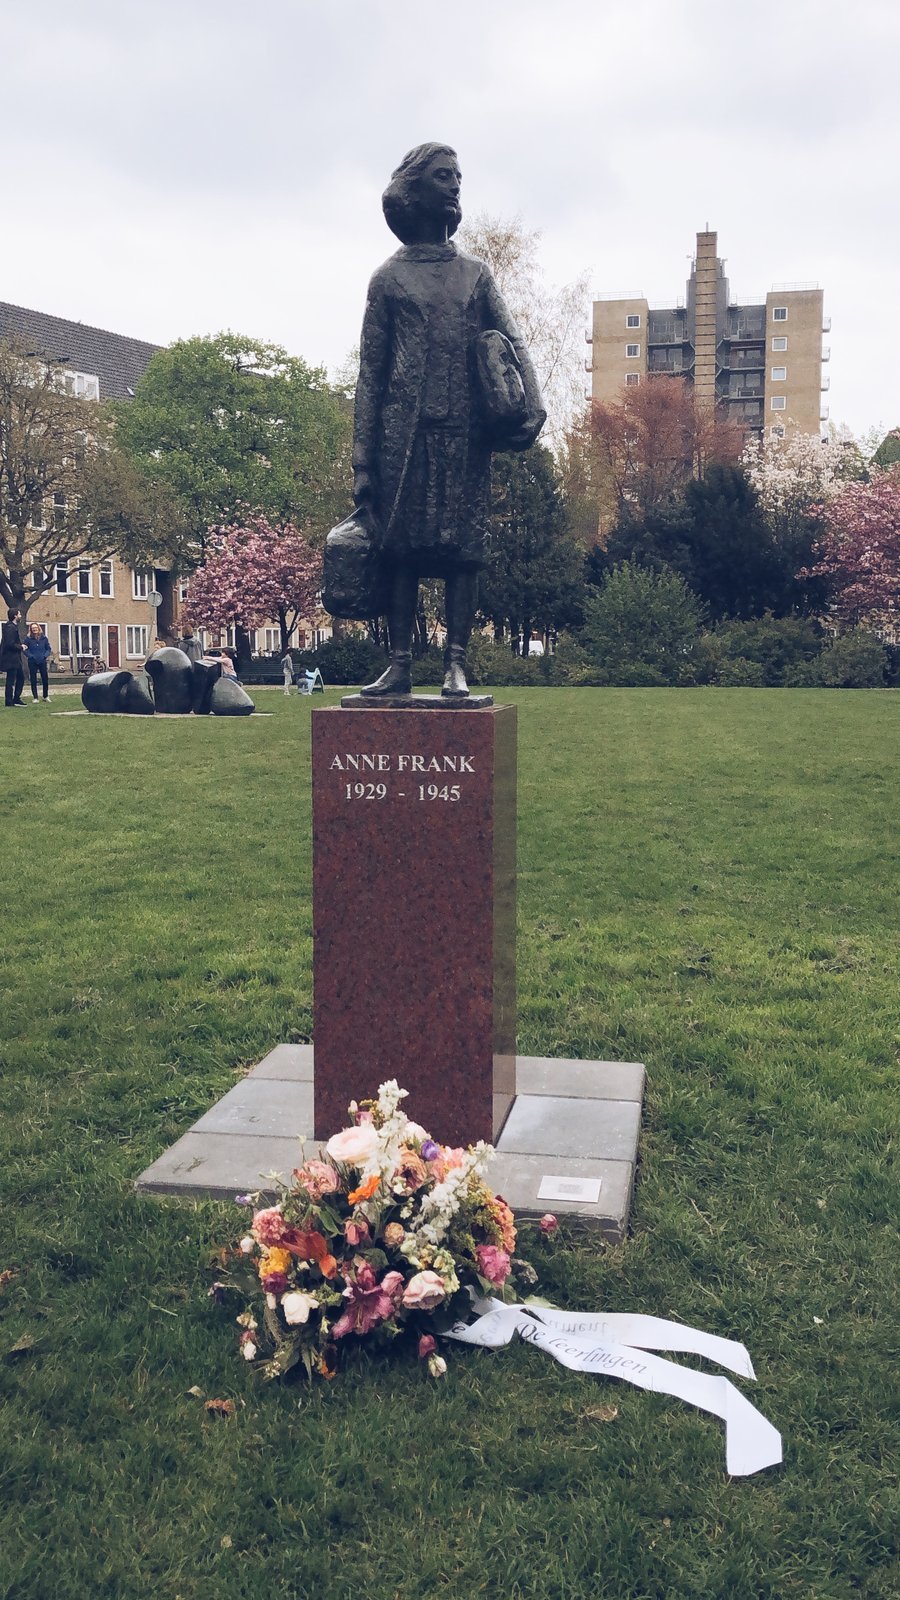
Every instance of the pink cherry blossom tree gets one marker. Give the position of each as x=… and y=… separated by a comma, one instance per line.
x=859, y=549
x=255, y=573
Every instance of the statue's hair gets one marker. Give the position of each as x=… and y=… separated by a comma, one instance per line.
x=400, y=202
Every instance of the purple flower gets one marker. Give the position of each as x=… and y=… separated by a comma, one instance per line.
x=368, y=1302
x=243, y=1200
x=430, y=1150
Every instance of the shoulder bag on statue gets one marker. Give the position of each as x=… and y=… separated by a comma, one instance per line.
x=354, y=585
x=503, y=404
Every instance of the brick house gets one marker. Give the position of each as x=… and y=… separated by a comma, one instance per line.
x=102, y=609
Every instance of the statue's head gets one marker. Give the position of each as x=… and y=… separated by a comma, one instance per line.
x=422, y=197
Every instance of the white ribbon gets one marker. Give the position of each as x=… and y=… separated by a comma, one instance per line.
x=607, y=1342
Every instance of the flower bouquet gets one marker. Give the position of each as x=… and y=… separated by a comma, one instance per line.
x=388, y=1233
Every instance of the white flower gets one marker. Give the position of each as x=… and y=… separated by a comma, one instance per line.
x=247, y=1243
x=437, y=1366
x=248, y=1350
x=271, y=1301
x=353, y=1146
x=297, y=1305
x=246, y=1320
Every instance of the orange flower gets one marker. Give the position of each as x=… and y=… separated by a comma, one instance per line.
x=365, y=1190
x=328, y=1266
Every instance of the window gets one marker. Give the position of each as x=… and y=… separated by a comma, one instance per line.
x=632, y=377
x=39, y=575
x=251, y=639
x=779, y=313
x=633, y=320
x=632, y=352
x=779, y=374
x=59, y=511
x=779, y=341
x=65, y=639
x=84, y=578
x=183, y=586
x=141, y=582
x=778, y=402
x=36, y=520
x=105, y=579
x=271, y=641
x=778, y=430
x=136, y=642
x=82, y=384
x=87, y=638
x=62, y=577
x=320, y=635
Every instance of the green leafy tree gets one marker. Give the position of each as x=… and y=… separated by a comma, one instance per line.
x=231, y=423
x=642, y=624
x=533, y=576
x=66, y=492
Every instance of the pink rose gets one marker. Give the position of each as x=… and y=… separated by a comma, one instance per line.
x=493, y=1264
x=424, y=1292
x=548, y=1223
x=317, y=1178
x=356, y=1231
x=353, y=1146
x=427, y=1346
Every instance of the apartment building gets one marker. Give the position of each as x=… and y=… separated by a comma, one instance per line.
x=761, y=363
x=107, y=610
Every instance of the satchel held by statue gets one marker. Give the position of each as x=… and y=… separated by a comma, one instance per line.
x=354, y=583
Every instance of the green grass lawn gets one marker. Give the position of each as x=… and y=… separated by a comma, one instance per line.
x=708, y=884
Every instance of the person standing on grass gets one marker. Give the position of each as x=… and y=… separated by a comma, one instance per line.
x=287, y=667
x=11, y=652
x=39, y=650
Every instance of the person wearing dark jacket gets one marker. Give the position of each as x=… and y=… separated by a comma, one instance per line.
x=38, y=650
x=11, y=649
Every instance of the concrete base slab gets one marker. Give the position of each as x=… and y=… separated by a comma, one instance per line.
x=569, y=1144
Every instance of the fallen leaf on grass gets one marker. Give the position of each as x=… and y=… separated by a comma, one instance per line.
x=601, y=1413
x=226, y=1541
x=221, y=1408
x=22, y=1347
x=6, y=1276
x=196, y=1391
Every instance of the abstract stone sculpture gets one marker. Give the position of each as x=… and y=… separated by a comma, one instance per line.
x=171, y=684
x=444, y=380
x=230, y=699
x=103, y=691
x=171, y=673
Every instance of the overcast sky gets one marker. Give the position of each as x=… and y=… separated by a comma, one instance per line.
x=174, y=167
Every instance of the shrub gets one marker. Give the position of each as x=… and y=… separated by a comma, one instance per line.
x=855, y=660
x=642, y=619
x=570, y=662
x=741, y=673
x=428, y=668
x=350, y=659
x=487, y=662
x=775, y=644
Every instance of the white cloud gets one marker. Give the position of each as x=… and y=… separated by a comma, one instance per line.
x=186, y=166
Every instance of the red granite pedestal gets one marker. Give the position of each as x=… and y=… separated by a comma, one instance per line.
x=414, y=907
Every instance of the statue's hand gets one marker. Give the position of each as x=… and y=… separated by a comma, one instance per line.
x=363, y=487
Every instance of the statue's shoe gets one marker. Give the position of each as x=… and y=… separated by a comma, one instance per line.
x=395, y=679
x=455, y=681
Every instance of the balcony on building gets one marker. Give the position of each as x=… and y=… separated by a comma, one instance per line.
x=826, y=382
x=589, y=366
x=663, y=329
x=589, y=337
x=826, y=324
x=826, y=352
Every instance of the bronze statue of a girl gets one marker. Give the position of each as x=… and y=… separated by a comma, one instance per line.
x=444, y=379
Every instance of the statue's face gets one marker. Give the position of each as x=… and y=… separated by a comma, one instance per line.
x=438, y=188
